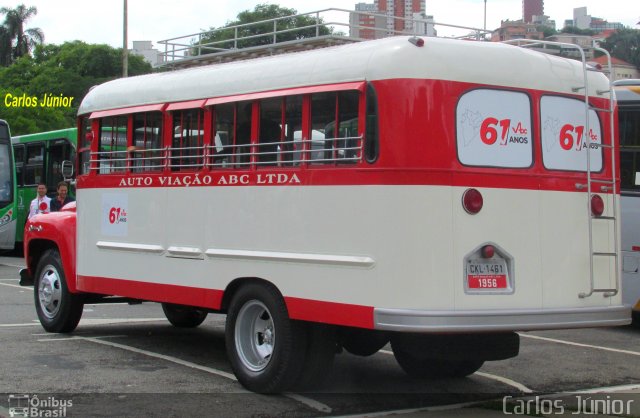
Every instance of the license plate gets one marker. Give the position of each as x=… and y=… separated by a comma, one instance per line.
x=487, y=275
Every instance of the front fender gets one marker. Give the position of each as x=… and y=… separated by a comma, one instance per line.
x=52, y=230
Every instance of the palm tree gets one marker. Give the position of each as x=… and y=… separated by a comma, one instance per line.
x=14, y=37
x=6, y=51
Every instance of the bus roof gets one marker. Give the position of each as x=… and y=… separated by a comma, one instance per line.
x=486, y=63
x=627, y=90
x=68, y=133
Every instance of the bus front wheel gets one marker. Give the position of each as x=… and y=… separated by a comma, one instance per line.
x=58, y=309
x=266, y=348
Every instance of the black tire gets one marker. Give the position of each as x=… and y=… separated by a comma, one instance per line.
x=635, y=318
x=363, y=342
x=320, y=353
x=182, y=316
x=58, y=309
x=416, y=363
x=266, y=348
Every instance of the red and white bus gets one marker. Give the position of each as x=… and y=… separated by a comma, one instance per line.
x=437, y=194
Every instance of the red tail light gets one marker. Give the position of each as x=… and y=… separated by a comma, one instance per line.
x=597, y=205
x=488, y=251
x=419, y=42
x=472, y=201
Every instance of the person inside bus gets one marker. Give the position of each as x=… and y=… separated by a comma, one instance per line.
x=62, y=198
x=42, y=202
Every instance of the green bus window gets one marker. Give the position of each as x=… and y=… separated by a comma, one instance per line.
x=34, y=165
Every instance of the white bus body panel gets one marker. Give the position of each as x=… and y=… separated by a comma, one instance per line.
x=390, y=247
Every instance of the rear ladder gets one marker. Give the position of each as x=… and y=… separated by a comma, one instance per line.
x=594, y=185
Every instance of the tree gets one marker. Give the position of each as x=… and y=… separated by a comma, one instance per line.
x=18, y=41
x=625, y=45
x=547, y=31
x=578, y=31
x=70, y=69
x=289, y=27
x=6, y=51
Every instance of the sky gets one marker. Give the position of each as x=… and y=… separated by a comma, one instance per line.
x=100, y=21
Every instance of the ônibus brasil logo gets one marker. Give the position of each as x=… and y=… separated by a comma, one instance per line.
x=23, y=405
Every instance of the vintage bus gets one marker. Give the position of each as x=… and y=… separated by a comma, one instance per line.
x=39, y=158
x=7, y=190
x=437, y=194
x=628, y=96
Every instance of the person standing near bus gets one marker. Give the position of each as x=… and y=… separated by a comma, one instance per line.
x=42, y=202
x=62, y=198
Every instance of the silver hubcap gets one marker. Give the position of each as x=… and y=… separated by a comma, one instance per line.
x=50, y=292
x=255, y=335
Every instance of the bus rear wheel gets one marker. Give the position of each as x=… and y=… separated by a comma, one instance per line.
x=181, y=316
x=58, y=309
x=266, y=348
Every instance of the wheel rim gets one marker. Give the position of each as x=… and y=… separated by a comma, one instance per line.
x=50, y=292
x=255, y=335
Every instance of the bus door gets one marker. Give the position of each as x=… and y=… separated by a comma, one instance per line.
x=29, y=171
x=59, y=150
x=7, y=196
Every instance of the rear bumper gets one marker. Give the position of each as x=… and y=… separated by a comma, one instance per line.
x=499, y=320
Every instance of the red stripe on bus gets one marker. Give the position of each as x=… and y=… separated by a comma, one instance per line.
x=330, y=312
x=292, y=177
x=182, y=295
x=357, y=85
x=125, y=111
x=192, y=104
x=300, y=309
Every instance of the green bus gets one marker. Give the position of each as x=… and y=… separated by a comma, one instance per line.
x=8, y=224
x=38, y=158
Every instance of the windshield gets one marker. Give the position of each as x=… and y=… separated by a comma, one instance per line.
x=6, y=182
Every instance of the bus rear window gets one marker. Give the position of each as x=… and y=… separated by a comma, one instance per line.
x=629, y=118
x=564, y=135
x=493, y=129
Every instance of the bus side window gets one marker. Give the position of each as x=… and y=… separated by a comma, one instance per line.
x=292, y=146
x=146, y=151
x=270, y=133
x=112, y=153
x=223, y=135
x=372, y=140
x=188, y=140
x=629, y=147
x=18, y=155
x=34, y=167
x=244, y=118
x=84, y=146
x=328, y=111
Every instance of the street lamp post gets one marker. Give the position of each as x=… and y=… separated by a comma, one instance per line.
x=485, y=15
x=125, y=50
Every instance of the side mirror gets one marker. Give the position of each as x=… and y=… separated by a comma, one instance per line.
x=67, y=170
